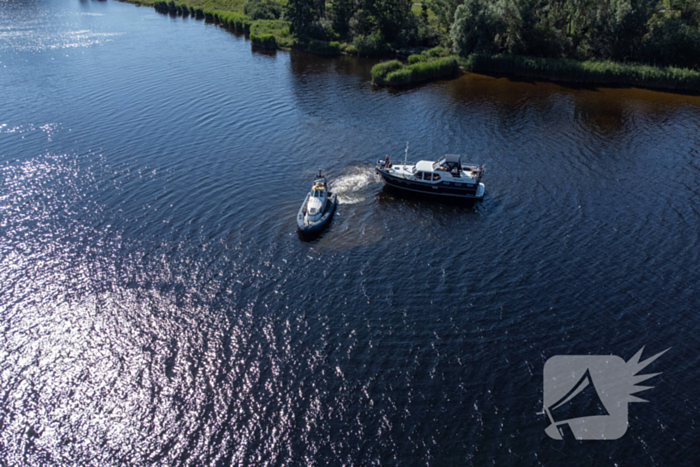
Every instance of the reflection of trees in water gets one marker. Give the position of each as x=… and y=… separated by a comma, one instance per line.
x=264, y=52
x=337, y=90
x=611, y=111
x=511, y=102
x=528, y=131
x=309, y=64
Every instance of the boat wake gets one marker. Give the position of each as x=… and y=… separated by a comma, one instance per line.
x=351, y=187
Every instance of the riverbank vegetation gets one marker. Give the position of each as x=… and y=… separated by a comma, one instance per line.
x=429, y=65
x=588, y=72
x=652, y=43
x=651, y=32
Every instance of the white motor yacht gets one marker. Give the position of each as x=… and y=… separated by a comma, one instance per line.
x=447, y=176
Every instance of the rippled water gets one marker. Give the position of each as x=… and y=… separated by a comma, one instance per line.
x=158, y=308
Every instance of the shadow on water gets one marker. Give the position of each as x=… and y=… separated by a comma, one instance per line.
x=315, y=237
x=508, y=91
x=588, y=87
x=528, y=80
x=263, y=52
x=304, y=64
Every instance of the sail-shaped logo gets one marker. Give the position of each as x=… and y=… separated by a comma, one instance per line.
x=586, y=396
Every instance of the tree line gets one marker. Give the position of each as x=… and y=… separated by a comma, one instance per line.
x=657, y=32
x=646, y=31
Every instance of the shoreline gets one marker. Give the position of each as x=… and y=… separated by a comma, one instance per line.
x=274, y=35
x=592, y=73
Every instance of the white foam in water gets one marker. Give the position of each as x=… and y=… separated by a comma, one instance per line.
x=351, y=187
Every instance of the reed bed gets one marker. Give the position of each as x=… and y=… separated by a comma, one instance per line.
x=275, y=27
x=395, y=73
x=589, y=72
x=323, y=47
x=237, y=22
x=265, y=41
x=381, y=70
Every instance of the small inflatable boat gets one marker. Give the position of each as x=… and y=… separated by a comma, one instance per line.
x=318, y=208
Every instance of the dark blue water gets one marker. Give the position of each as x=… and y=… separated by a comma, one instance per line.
x=158, y=308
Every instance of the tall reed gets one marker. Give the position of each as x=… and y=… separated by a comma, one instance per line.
x=265, y=41
x=589, y=72
x=394, y=73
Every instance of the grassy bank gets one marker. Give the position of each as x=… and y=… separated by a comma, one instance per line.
x=274, y=34
x=267, y=34
x=428, y=66
x=271, y=34
x=229, y=19
x=589, y=72
x=233, y=6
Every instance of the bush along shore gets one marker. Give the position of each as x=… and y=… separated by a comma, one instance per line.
x=645, y=44
x=432, y=64
x=427, y=66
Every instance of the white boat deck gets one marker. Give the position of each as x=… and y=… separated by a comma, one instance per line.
x=407, y=171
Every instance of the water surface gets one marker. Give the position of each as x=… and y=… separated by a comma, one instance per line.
x=158, y=308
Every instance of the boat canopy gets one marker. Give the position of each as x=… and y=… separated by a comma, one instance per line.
x=424, y=166
x=451, y=163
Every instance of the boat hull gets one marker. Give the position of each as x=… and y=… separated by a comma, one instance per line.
x=449, y=189
x=317, y=226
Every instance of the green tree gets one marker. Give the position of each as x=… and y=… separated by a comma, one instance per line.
x=688, y=10
x=474, y=28
x=301, y=15
x=508, y=25
x=390, y=15
x=445, y=11
x=620, y=28
x=342, y=11
x=672, y=42
x=262, y=9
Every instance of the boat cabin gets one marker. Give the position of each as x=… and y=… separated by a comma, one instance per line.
x=451, y=163
x=426, y=170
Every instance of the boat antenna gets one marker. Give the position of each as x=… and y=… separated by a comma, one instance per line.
x=405, y=157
